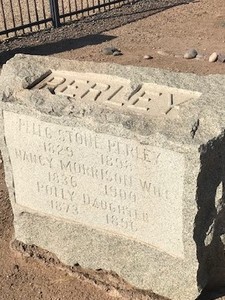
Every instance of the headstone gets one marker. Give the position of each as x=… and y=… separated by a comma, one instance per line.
x=119, y=168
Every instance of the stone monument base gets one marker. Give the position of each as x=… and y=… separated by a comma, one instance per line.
x=118, y=168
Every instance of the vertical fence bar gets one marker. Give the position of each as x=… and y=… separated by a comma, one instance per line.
x=75, y=5
x=12, y=14
x=88, y=12
x=36, y=13
x=4, y=18
x=82, y=7
x=93, y=4
x=54, y=7
x=99, y=3
x=21, y=15
x=109, y=4
x=63, y=10
x=70, y=10
x=43, y=11
x=28, y=13
x=104, y=5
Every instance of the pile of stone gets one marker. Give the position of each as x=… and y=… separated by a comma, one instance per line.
x=192, y=53
x=189, y=54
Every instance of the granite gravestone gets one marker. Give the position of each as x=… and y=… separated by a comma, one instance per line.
x=119, y=168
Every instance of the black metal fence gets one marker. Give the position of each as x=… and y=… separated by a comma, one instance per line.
x=21, y=16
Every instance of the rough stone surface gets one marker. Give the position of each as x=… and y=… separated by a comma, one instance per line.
x=118, y=168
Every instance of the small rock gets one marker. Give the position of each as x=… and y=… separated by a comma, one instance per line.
x=148, y=57
x=213, y=57
x=221, y=58
x=191, y=53
x=16, y=268
x=199, y=57
x=117, y=53
x=109, y=50
x=163, y=53
x=178, y=55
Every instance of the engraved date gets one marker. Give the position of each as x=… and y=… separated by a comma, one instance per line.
x=120, y=222
x=64, y=207
x=62, y=179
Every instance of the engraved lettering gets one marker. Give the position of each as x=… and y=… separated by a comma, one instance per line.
x=114, y=147
x=50, y=190
x=83, y=139
x=145, y=185
x=86, y=199
x=95, y=88
x=157, y=191
x=111, y=207
x=34, y=128
x=33, y=158
x=130, y=151
x=101, y=181
x=104, y=175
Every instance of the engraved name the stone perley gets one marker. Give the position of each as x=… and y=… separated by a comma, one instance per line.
x=102, y=181
x=149, y=98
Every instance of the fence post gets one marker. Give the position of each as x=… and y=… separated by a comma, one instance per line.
x=54, y=6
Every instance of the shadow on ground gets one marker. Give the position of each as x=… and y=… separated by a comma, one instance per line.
x=57, y=47
x=85, y=31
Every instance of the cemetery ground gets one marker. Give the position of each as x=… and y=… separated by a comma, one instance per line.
x=165, y=35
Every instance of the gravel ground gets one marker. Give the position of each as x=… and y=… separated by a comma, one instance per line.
x=91, y=26
x=25, y=12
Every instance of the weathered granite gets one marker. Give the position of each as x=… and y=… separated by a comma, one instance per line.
x=119, y=168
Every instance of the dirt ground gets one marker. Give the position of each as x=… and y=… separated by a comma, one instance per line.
x=163, y=30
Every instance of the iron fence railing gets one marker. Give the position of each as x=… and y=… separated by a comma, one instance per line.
x=21, y=16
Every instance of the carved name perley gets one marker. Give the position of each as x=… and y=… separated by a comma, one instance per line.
x=149, y=98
